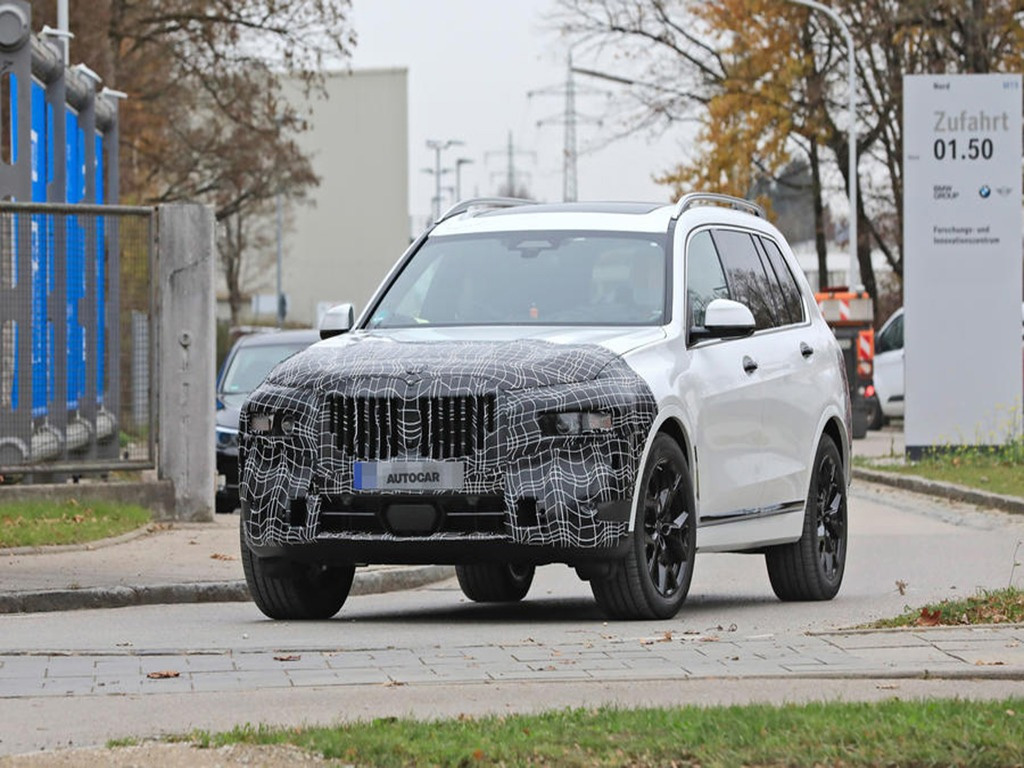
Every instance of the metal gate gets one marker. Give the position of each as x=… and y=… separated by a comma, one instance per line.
x=77, y=335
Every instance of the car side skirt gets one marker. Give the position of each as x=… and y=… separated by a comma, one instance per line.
x=781, y=524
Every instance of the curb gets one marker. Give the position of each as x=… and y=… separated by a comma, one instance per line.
x=1013, y=504
x=366, y=583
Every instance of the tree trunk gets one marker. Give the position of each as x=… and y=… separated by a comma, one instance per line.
x=820, y=242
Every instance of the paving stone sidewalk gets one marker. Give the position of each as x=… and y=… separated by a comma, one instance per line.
x=991, y=652
x=163, y=563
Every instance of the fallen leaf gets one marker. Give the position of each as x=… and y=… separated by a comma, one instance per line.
x=222, y=556
x=289, y=657
x=393, y=684
x=666, y=636
x=478, y=754
x=887, y=687
x=929, y=618
x=1010, y=712
x=901, y=585
x=980, y=663
x=78, y=518
x=163, y=674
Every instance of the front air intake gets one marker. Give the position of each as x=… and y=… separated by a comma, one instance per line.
x=383, y=428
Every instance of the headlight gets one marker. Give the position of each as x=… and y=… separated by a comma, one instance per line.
x=227, y=437
x=575, y=422
x=261, y=423
x=279, y=424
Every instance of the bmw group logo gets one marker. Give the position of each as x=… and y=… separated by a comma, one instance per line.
x=985, y=191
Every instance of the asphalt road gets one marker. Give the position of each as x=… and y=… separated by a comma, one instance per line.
x=430, y=652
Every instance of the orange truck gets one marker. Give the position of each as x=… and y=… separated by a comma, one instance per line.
x=851, y=316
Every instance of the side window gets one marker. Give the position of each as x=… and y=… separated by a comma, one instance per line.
x=891, y=337
x=790, y=291
x=748, y=282
x=705, y=280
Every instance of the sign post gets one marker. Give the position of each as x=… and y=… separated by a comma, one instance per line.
x=962, y=260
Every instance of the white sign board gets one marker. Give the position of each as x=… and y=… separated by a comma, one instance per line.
x=962, y=259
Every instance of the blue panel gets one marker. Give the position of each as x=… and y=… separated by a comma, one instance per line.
x=40, y=261
x=101, y=293
x=13, y=128
x=75, y=258
x=14, y=119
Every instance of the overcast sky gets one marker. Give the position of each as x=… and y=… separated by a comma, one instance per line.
x=471, y=65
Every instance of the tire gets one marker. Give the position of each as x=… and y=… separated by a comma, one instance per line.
x=876, y=420
x=812, y=567
x=284, y=589
x=225, y=505
x=495, y=582
x=651, y=582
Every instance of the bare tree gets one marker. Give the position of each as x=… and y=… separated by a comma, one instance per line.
x=205, y=118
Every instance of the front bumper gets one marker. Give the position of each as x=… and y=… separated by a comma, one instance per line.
x=522, y=491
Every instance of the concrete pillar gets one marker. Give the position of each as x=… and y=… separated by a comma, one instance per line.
x=186, y=357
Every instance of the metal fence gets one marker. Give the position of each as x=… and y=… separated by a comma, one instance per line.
x=77, y=335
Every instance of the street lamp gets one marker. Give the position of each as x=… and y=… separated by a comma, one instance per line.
x=458, y=176
x=439, y=146
x=852, y=130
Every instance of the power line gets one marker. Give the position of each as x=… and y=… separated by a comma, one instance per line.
x=569, y=119
x=512, y=175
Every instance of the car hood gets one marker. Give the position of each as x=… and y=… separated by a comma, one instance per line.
x=228, y=415
x=508, y=359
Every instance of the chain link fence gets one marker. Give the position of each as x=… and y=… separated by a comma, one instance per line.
x=77, y=335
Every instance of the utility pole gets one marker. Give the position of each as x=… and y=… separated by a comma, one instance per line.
x=458, y=176
x=510, y=173
x=439, y=146
x=64, y=29
x=569, y=120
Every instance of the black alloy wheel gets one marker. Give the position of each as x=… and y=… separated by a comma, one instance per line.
x=652, y=581
x=812, y=567
x=830, y=518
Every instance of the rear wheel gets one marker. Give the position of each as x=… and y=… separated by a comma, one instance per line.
x=495, y=582
x=652, y=581
x=812, y=567
x=285, y=589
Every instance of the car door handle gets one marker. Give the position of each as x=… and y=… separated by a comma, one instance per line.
x=749, y=364
x=805, y=349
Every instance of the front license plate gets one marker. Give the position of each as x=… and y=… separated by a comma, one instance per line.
x=408, y=475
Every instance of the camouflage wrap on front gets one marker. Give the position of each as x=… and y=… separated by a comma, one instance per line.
x=568, y=476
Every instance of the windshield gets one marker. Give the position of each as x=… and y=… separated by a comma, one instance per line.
x=539, y=277
x=251, y=364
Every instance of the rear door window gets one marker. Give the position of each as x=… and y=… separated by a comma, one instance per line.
x=748, y=281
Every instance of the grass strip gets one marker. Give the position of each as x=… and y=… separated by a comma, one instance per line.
x=45, y=523
x=894, y=732
x=997, y=468
x=989, y=606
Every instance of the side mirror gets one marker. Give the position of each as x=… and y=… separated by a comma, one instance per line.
x=725, y=319
x=337, y=320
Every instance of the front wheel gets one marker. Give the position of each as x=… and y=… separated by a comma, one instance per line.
x=651, y=582
x=811, y=568
x=285, y=589
x=495, y=582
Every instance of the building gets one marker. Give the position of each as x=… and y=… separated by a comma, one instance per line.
x=338, y=246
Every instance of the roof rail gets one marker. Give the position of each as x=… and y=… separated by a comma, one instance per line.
x=483, y=202
x=702, y=198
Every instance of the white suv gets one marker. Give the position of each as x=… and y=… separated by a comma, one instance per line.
x=612, y=386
